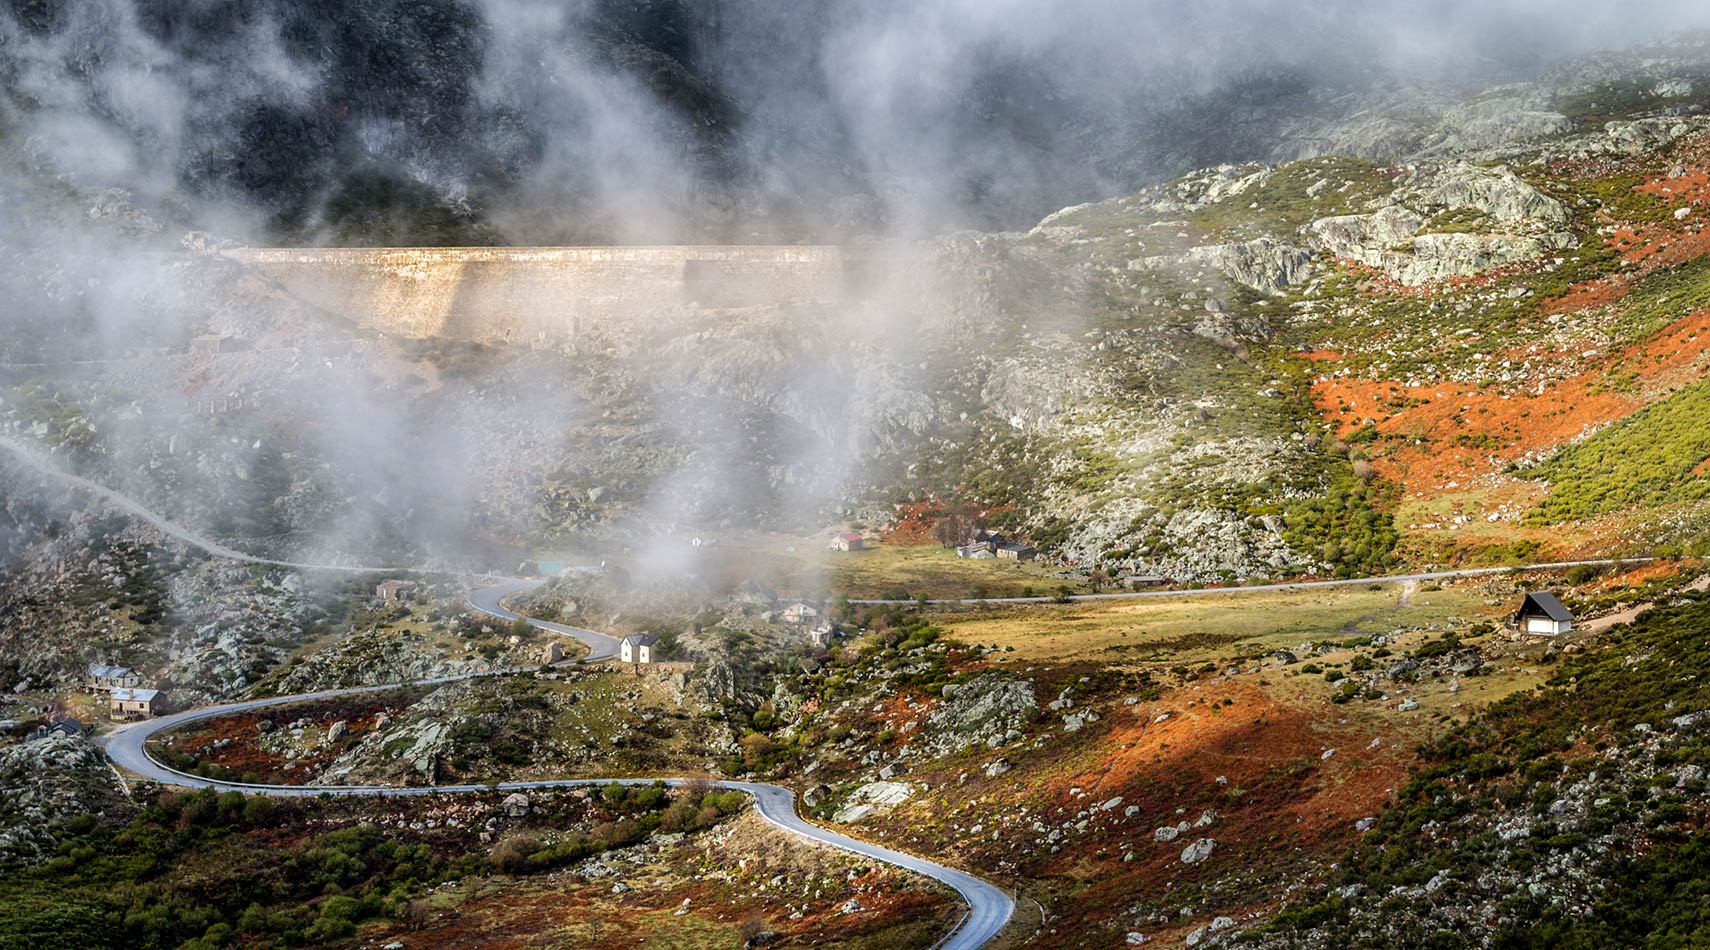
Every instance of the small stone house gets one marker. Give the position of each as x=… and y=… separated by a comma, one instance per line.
x=800, y=614
x=1544, y=615
x=638, y=648
x=1017, y=552
x=977, y=550
x=104, y=677
x=393, y=591
x=135, y=703
x=848, y=541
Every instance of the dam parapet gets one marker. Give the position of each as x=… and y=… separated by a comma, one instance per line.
x=518, y=294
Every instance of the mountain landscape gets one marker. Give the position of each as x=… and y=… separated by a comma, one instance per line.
x=503, y=474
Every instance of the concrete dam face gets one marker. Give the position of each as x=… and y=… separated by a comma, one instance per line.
x=523, y=294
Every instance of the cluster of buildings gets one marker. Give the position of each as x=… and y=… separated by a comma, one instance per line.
x=127, y=698
x=993, y=544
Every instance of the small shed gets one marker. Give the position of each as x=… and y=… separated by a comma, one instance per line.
x=550, y=568
x=823, y=635
x=848, y=541
x=104, y=677
x=393, y=591
x=211, y=343
x=1017, y=552
x=135, y=703
x=1543, y=614
x=977, y=549
x=638, y=648
x=1140, y=581
x=69, y=727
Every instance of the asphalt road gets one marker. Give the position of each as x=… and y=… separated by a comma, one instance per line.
x=989, y=907
x=488, y=600
x=1261, y=588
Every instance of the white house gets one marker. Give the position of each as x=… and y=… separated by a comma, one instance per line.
x=848, y=541
x=1541, y=613
x=637, y=648
x=133, y=703
x=104, y=677
x=822, y=635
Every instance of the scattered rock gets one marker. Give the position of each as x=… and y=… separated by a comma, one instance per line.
x=1198, y=851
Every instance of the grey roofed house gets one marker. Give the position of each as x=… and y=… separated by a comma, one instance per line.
x=1016, y=552
x=637, y=648
x=109, y=676
x=1542, y=612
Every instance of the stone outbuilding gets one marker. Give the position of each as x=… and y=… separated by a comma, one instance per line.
x=394, y=591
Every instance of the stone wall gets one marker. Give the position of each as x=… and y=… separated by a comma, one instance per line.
x=519, y=294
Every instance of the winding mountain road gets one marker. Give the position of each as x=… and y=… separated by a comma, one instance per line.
x=489, y=600
x=989, y=906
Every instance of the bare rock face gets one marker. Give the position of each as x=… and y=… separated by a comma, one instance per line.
x=1441, y=256
x=1497, y=192
x=1266, y=265
x=873, y=798
x=986, y=708
x=1365, y=237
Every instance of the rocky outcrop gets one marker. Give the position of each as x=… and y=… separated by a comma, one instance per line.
x=988, y=710
x=1209, y=186
x=1434, y=257
x=1365, y=237
x=1266, y=265
x=1497, y=192
x=1388, y=239
x=873, y=798
x=45, y=782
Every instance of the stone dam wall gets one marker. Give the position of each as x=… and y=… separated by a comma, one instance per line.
x=523, y=294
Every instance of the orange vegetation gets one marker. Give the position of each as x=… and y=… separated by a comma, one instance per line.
x=1456, y=432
